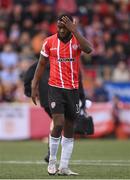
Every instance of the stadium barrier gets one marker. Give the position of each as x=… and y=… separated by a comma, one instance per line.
x=24, y=121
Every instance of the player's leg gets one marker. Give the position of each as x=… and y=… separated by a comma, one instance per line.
x=67, y=142
x=47, y=110
x=54, y=140
x=57, y=110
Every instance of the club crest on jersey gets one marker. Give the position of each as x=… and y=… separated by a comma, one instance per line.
x=53, y=104
x=75, y=46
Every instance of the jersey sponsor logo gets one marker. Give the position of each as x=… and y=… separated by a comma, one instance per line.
x=53, y=105
x=65, y=59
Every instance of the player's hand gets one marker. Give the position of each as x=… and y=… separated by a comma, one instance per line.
x=34, y=94
x=71, y=26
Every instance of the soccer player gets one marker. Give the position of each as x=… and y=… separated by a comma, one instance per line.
x=63, y=50
x=80, y=125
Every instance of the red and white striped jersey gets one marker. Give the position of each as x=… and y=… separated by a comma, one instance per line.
x=64, y=61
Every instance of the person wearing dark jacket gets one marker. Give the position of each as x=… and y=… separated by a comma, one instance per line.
x=43, y=86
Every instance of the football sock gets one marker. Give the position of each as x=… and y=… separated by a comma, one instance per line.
x=67, y=148
x=53, y=144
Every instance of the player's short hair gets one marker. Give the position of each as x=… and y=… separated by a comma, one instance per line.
x=63, y=15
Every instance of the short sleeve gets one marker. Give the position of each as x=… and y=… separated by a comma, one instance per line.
x=45, y=48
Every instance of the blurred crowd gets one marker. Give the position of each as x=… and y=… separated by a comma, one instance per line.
x=25, y=23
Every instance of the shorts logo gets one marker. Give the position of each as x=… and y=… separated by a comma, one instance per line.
x=77, y=108
x=53, y=104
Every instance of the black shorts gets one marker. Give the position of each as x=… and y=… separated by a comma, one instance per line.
x=64, y=101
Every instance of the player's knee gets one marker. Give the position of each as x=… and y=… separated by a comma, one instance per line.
x=58, y=120
x=57, y=129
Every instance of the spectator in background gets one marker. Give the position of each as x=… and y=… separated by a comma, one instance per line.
x=3, y=37
x=23, y=66
x=8, y=57
x=108, y=58
x=10, y=75
x=27, y=53
x=121, y=73
x=100, y=94
x=119, y=53
x=66, y=6
x=117, y=107
x=1, y=92
x=107, y=38
x=34, y=12
x=106, y=73
x=27, y=25
x=24, y=39
x=16, y=15
x=14, y=34
x=122, y=14
x=8, y=92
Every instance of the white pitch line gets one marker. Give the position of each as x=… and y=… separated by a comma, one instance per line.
x=99, y=160
x=78, y=162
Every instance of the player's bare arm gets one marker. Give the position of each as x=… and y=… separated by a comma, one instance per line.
x=84, y=44
x=37, y=76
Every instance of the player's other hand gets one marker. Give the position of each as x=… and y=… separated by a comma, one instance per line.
x=71, y=26
x=34, y=95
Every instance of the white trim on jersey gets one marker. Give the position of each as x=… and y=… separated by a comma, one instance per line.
x=71, y=64
x=44, y=54
x=43, y=49
x=60, y=70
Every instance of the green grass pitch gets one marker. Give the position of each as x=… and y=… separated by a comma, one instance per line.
x=92, y=159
